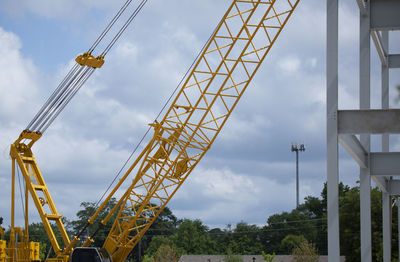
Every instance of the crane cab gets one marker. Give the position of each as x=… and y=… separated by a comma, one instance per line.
x=90, y=254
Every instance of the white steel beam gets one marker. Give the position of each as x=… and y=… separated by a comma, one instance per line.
x=394, y=187
x=385, y=163
x=385, y=14
x=369, y=121
x=394, y=61
x=332, y=72
x=355, y=149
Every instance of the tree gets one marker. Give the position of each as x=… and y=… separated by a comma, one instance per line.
x=246, y=239
x=281, y=225
x=192, y=237
x=87, y=212
x=166, y=253
x=290, y=242
x=156, y=243
x=305, y=252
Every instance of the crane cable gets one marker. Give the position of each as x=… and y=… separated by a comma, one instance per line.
x=79, y=74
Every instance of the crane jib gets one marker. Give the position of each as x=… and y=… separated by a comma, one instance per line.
x=227, y=65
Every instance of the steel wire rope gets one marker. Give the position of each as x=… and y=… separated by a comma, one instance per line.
x=20, y=192
x=73, y=69
x=57, y=97
x=123, y=28
x=73, y=91
x=149, y=128
x=56, y=102
x=108, y=27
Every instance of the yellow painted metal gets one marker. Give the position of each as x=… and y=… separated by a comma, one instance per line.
x=3, y=254
x=87, y=59
x=212, y=90
x=20, y=152
x=11, y=244
x=34, y=251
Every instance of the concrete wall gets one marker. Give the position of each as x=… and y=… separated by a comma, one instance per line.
x=246, y=258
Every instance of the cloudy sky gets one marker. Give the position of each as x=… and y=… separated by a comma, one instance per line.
x=249, y=173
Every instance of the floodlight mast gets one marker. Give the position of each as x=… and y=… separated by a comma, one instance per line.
x=296, y=148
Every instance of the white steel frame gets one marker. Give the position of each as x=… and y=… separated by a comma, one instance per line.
x=377, y=18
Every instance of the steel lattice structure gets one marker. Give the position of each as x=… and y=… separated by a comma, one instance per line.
x=210, y=93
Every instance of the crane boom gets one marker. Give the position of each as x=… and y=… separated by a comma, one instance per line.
x=211, y=91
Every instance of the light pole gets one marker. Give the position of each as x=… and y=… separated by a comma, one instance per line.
x=296, y=148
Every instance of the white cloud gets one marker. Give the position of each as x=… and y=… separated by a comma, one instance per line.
x=18, y=83
x=50, y=9
x=289, y=64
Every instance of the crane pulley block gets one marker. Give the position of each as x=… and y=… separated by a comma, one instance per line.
x=87, y=59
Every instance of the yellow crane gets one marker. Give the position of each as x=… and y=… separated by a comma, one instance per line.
x=210, y=92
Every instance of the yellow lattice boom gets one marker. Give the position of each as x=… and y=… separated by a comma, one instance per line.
x=211, y=91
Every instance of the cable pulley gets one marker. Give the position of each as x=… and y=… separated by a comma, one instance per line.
x=85, y=65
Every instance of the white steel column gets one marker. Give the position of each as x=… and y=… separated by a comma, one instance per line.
x=398, y=223
x=365, y=179
x=386, y=198
x=387, y=226
x=385, y=87
x=332, y=130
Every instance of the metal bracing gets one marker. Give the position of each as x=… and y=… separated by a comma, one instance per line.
x=355, y=149
x=202, y=106
x=382, y=52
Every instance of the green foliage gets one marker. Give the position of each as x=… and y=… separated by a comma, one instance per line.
x=283, y=233
x=156, y=243
x=281, y=225
x=192, y=237
x=88, y=209
x=290, y=242
x=268, y=257
x=245, y=239
x=166, y=253
x=148, y=258
x=305, y=252
x=37, y=233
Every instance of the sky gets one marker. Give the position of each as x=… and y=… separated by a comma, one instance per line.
x=247, y=175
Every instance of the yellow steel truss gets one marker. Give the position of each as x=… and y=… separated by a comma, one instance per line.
x=222, y=73
x=21, y=154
